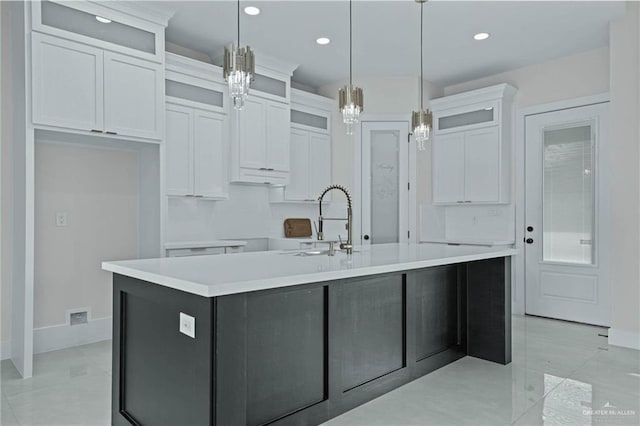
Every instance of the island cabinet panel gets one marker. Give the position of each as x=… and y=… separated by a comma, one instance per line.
x=160, y=376
x=272, y=356
x=439, y=314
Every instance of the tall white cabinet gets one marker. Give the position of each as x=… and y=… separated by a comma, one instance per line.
x=471, y=151
x=196, y=126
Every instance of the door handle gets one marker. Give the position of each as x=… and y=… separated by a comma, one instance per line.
x=366, y=237
x=529, y=241
x=529, y=228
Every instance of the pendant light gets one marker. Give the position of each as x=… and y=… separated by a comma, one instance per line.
x=422, y=120
x=350, y=98
x=239, y=69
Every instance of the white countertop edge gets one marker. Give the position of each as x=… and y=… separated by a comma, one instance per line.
x=203, y=244
x=470, y=242
x=271, y=283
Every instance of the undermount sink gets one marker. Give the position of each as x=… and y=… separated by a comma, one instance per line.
x=307, y=253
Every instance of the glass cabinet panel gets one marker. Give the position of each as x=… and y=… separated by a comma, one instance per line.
x=484, y=115
x=568, y=195
x=194, y=93
x=269, y=85
x=308, y=119
x=76, y=21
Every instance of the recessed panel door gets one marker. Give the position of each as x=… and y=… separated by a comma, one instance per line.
x=567, y=215
x=210, y=154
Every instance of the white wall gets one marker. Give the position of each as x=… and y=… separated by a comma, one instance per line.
x=625, y=188
x=98, y=190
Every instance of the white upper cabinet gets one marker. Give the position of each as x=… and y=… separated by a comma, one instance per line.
x=67, y=84
x=260, y=138
x=197, y=130
x=133, y=92
x=310, y=157
x=472, y=146
x=82, y=88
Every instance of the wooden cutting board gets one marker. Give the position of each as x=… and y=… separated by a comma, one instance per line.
x=297, y=228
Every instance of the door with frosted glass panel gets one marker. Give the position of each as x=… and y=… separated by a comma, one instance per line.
x=385, y=174
x=566, y=235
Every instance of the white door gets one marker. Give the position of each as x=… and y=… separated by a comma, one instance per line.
x=67, y=84
x=253, y=139
x=482, y=165
x=133, y=92
x=448, y=168
x=179, y=150
x=278, y=130
x=567, y=250
x=385, y=182
x=298, y=187
x=210, y=154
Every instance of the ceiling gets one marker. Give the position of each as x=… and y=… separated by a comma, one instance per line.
x=386, y=35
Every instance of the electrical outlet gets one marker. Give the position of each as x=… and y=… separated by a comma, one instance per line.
x=187, y=325
x=61, y=219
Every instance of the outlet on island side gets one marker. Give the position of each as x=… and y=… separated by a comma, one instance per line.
x=187, y=325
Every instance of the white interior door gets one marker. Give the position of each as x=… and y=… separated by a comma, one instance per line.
x=567, y=251
x=385, y=182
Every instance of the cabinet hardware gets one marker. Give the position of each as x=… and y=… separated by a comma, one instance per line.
x=529, y=228
x=467, y=201
x=199, y=196
x=263, y=168
x=96, y=131
x=111, y=133
x=529, y=241
x=459, y=201
x=268, y=183
x=271, y=169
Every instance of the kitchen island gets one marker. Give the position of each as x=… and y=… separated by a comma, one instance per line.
x=291, y=337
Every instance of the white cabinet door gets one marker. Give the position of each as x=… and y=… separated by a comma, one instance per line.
x=278, y=131
x=319, y=164
x=253, y=138
x=448, y=168
x=298, y=187
x=179, y=151
x=67, y=83
x=133, y=93
x=482, y=165
x=210, y=154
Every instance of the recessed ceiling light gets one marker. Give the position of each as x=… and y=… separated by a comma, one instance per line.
x=323, y=40
x=251, y=10
x=481, y=36
x=103, y=20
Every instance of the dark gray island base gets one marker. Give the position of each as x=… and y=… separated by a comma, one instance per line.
x=303, y=354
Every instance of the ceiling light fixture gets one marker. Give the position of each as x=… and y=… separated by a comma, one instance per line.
x=239, y=69
x=103, y=20
x=481, y=36
x=323, y=40
x=422, y=120
x=350, y=98
x=252, y=10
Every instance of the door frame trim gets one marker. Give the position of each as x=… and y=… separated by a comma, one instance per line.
x=518, y=261
x=357, y=172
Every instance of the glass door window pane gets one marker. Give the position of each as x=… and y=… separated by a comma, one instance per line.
x=569, y=195
x=385, y=202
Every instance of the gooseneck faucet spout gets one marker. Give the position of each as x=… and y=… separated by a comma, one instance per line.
x=348, y=246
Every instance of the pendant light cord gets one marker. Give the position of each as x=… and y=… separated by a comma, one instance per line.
x=421, y=49
x=350, y=45
x=238, y=24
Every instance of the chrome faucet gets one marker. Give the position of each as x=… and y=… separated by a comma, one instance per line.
x=348, y=246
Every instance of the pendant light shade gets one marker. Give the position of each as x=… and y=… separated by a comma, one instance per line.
x=422, y=120
x=350, y=98
x=239, y=69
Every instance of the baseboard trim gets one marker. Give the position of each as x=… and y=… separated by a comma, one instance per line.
x=5, y=349
x=64, y=336
x=626, y=339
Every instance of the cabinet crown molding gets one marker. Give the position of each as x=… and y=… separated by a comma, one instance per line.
x=183, y=65
x=491, y=93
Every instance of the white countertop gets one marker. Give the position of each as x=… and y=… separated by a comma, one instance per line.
x=200, y=244
x=212, y=276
